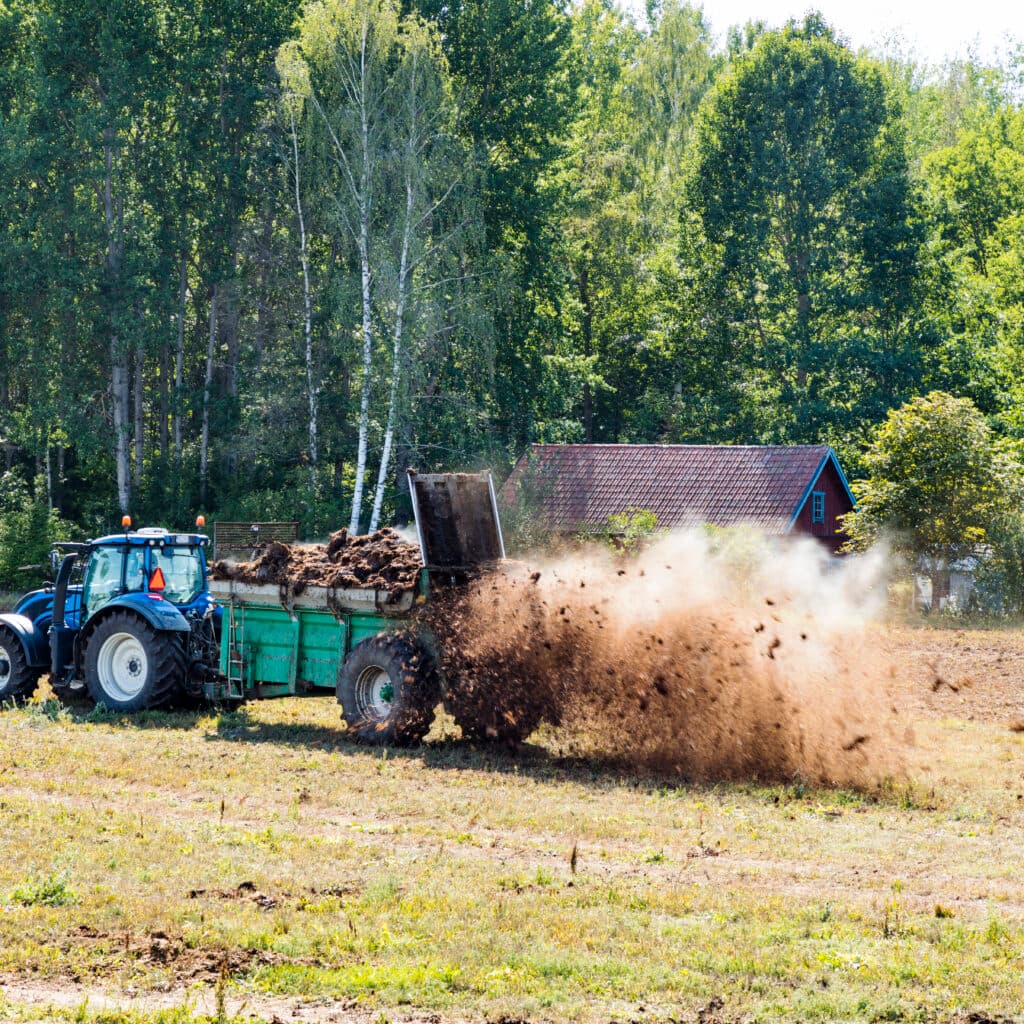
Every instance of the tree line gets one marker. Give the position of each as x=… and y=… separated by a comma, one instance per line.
x=261, y=257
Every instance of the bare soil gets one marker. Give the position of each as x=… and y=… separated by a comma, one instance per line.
x=38, y=999
x=976, y=675
x=640, y=662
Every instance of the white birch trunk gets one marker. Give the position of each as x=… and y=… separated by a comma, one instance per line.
x=204, y=440
x=364, y=264
x=389, y=433
x=119, y=402
x=114, y=222
x=311, y=382
x=179, y=358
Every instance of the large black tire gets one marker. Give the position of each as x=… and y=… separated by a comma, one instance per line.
x=130, y=666
x=389, y=689
x=18, y=680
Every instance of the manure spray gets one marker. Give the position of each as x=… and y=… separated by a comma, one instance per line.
x=708, y=656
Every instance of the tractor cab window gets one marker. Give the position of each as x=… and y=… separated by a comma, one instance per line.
x=183, y=573
x=135, y=569
x=102, y=577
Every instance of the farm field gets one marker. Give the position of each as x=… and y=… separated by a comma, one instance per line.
x=256, y=865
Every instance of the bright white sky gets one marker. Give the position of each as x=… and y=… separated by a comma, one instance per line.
x=929, y=29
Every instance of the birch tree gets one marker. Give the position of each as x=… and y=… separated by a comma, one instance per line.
x=427, y=183
x=347, y=50
x=375, y=84
x=292, y=102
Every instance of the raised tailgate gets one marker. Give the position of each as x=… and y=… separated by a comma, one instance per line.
x=456, y=519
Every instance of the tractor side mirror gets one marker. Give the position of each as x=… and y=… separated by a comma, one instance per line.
x=55, y=559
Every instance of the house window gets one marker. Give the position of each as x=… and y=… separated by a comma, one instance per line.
x=818, y=507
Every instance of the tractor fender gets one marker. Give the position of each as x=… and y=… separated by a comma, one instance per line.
x=36, y=605
x=160, y=614
x=33, y=642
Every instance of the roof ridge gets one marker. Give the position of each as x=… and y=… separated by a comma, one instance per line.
x=633, y=447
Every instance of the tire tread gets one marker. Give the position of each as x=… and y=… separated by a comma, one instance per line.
x=418, y=686
x=25, y=679
x=166, y=654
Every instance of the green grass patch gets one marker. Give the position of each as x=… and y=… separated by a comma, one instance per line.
x=52, y=891
x=476, y=883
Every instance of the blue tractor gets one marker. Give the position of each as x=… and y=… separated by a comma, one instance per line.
x=129, y=621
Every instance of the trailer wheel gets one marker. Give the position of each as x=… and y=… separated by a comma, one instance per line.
x=130, y=666
x=17, y=680
x=388, y=689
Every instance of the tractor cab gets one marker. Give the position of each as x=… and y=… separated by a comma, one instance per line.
x=130, y=617
x=162, y=566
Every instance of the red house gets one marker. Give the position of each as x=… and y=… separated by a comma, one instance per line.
x=782, y=489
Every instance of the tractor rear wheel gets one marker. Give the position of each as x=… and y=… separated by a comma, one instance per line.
x=130, y=666
x=17, y=680
x=388, y=689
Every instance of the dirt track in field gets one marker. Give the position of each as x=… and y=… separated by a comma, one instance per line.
x=37, y=1001
x=972, y=674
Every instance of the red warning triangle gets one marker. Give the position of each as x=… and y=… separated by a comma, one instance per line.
x=156, y=581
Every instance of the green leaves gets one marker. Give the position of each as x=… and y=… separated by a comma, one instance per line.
x=801, y=187
x=647, y=238
x=939, y=482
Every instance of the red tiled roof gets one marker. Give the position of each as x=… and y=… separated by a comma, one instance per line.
x=578, y=486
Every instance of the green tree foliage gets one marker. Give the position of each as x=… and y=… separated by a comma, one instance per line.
x=939, y=104
x=976, y=193
x=612, y=231
x=620, y=229
x=801, y=192
x=513, y=76
x=28, y=529
x=138, y=123
x=940, y=485
x=980, y=183
x=509, y=62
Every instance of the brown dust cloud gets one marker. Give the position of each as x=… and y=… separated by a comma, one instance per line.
x=706, y=657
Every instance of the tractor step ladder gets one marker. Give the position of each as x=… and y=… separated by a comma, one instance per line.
x=236, y=662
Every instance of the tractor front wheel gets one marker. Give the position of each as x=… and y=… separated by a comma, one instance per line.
x=388, y=689
x=130, y=666
x=17, y=680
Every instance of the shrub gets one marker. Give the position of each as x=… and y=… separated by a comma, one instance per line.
x=627, y=531
x=999, y=578
x=28, y=529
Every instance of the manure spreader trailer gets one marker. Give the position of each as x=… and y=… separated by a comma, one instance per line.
x=133, y=622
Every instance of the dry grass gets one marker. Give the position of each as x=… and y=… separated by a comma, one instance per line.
x=153, y=855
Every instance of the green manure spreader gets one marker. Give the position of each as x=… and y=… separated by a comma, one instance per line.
x=133, y=621
x=364, y=645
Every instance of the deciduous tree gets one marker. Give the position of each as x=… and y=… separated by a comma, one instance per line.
x=801, y=187
x=940, y=484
